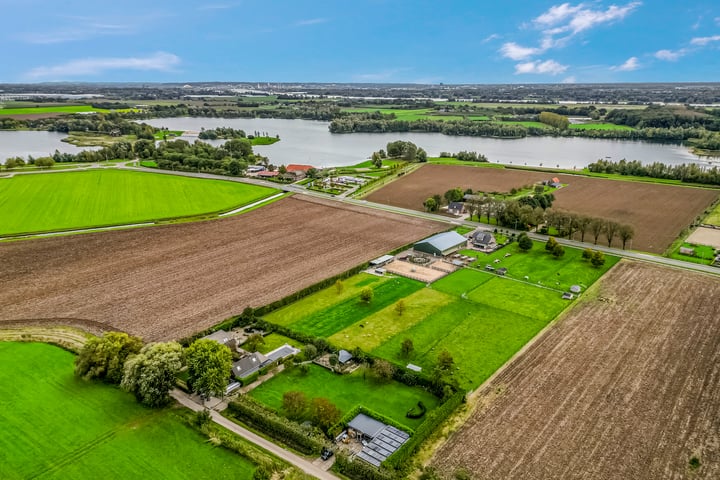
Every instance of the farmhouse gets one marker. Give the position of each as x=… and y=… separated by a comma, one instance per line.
x=441, y=244
x=554, y=182
x=248, y=365
x=379, y=440
x=484, y=241
x=267, y=174
x=456, y=208
x=299, y=171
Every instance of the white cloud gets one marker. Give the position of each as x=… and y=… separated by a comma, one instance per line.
x=490, y=38
x=310, y=21
x=670, y=55
x=160, y=61
x=586, y=19
x=717, y=20
x=629, y=65
x=89, y=30
x=702, y=41
x=517, y=52
x=570, y=79
x=550, y=67
x=557, y=14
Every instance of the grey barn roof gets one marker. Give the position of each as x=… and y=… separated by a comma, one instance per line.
x=445, y=240
x=381, y=260
x=281, y=352
x=367, y=425
x=344, y=356
x=248, y=365
x=221, y=336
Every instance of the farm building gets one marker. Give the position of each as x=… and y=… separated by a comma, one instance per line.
x=441, y=244
x=484, y=241
x=380, y=261
x=456, y=208
x=299, y=171
x=344, y=357
x=248, y=365
x=554, y=182
x=380, y=440
x=223, y=338
x=687, y=251
x=267, y=174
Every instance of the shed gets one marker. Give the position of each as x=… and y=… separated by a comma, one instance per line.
x=501, y=271
x=380, y=261
x=220, y=336
x=568, y=296
x=441, y=244
x=413, y=367
x=281, y=352
x=575, y=289
x=344, y=356
x=687, y=251
x=367, y=426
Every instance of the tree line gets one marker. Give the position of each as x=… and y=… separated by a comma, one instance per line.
x=686, y=172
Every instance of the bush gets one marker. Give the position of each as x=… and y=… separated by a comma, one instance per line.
x=249, y=379
x=359, y=470
x=419, y=413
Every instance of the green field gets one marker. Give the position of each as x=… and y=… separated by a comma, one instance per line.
x=275, y=340
x=72, y=200
x=391, y=399
x=599, y=126
x=714, y=217
x=57, y=109
x=56, y=426
x=411, y=115
x=482, y=319
x=703, y=254
x=526, y=124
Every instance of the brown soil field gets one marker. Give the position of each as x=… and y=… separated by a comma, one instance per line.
x=657, y=212
x=625, y=386
x=168, y=282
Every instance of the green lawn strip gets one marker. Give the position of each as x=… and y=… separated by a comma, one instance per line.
x=703, y=254
x=525, y=124
x=326, y=322
x=519, y=298
x=275, y=340
x=264, y=140
x=323, y=299
x=461, y=282
x=714, y=217
x=599, y=126
x=57, y=109
x=392, y=399
x=370, y=332
x=36, y=203
x=480, y=339
x=57, y=426
x=165, y=134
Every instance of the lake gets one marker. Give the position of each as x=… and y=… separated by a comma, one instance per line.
x=310, y=142
x=21, y=143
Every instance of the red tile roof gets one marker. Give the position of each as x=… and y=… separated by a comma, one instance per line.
x=267, y=173
x=298, y=168
x=556, y=180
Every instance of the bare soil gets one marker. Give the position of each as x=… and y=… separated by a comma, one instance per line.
x=171, y=281
x=657, y=212
x=705, y=236
x=627, y=385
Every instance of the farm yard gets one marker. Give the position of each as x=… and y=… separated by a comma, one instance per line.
x=624, y=386
x=642, y=205
x=480, y=318
x=171, y=281
x=63, y=427
x=100, y=197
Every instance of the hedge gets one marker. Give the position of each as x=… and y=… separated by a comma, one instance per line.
x=401, y=456
x=335, y=430
x=249, y=379
x=360, y=470
x=280, y=428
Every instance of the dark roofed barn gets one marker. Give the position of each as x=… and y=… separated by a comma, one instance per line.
x=441, y=244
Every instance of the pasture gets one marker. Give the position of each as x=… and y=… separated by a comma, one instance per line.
x=73, y=200
x=392, y=399
x=599, y=126
x=57, y=426
x=625, y=383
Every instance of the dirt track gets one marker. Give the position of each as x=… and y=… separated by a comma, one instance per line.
x=625, y=387
x=171, y=281
x=657, y=212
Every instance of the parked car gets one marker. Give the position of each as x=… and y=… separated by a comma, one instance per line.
x=326, y=453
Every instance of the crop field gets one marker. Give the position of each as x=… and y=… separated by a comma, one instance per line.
x=642, y=205
x=480, y=318
x=71, y=200
x=57, y=426
x=625, y=386
x=392, y=399
x=171, y=281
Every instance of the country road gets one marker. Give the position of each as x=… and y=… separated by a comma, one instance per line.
x=301, y=463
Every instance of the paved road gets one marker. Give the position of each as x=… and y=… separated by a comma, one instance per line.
x=304, y=465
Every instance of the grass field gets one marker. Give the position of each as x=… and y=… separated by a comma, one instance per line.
x=415, y=114
x=275, y=340
x=56, y=109
x=34, y=203
x=599, y=126
x=526, y=124
x=92, y=139
x=391, y=399
x=57, y=426
x=703, y=254
x=714, y=217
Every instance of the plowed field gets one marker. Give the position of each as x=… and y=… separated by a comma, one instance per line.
x=171, y=281
x=626, y=386
x=657, y=212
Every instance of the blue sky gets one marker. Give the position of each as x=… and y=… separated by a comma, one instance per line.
x=510, y=41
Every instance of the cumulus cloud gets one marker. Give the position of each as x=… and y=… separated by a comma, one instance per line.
x=570, y=79
x=702, y=41
x=549, y=67
x=517, y=52
x=629, y=65
x=160, y=61
x=670, y=55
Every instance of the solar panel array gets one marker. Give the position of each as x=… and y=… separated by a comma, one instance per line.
x=383, y=445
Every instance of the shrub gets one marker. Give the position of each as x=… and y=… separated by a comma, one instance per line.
x=419, y=413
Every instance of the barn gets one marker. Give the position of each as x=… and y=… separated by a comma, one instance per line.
x=441, y=244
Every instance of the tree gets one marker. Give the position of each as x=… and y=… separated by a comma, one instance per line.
x=611, y=229
x=550, y=244
x=454, y=195
x=421, y=155
x=44, y=162
x=209, y=365
x=558, y=250
x=525, y=243
x=400, y=307
x=626, y=233
x=597, y=226
x=383, y=370
x=376, y=160
x=339, y=287
x=445, y=361
x=253, y=342
x=430, y=205
x=310, y=351
x=407, y=348
x=104, y=357
x=366, y=294
x=282, y=170
x=294, y=403
x=150, y=375
x=597, y=259
x=583, y=224
x=587, y=254
x=324, y=412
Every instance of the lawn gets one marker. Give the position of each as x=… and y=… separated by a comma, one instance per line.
x=57, y=109
x=264, y=140
x=56, y=426
x=461, y=282
x=64, y=201
x=275, y=340
x=714, y=217
x=599, y=126
x=392, y=399
x=703, y=254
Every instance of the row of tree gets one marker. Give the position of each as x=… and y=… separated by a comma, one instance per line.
x=569, y=224
x=465, y=156
x=150, y=371
x=555, y=120
x=407, y=151
x=692, y=172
